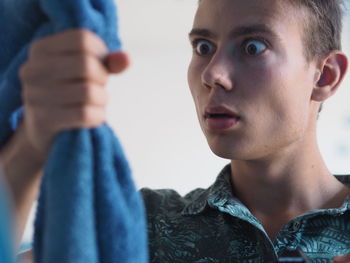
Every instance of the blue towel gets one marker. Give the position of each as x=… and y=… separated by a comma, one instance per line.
x=6, y=242
x=88, y=209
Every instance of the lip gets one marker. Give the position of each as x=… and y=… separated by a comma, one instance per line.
x=219, y=118
x=213, y=110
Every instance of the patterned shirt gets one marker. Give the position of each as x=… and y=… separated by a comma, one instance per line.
x=212, y=225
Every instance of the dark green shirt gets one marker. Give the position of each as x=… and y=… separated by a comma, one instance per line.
x=211, y=225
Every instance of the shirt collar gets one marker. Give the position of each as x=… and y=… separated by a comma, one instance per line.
x=221, y=193
x=345, y=179
x=216, y=195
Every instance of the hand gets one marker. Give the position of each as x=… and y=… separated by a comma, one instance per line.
x=64, y=83
x=342, y=259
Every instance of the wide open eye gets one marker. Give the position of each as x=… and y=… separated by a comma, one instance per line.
x=254, y=47
x=203, y=47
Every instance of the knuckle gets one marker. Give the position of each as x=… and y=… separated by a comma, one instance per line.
x=91, y=116
x=83, y=38
x=87, y=93
x=84, y=114
x=95, y=95
x=87, y=67
x=100, y=99
x=89, y=41
x=83, y=66
x=104, y=97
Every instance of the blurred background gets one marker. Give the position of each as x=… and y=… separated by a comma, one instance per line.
x=152, y=112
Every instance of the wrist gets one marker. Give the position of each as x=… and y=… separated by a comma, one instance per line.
x=22, y=169
x=19, y=159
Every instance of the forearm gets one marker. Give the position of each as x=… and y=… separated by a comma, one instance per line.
x=22, y=170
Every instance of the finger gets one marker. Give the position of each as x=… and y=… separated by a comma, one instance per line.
x=80, y=117
x=117, y=62
x=342, y=259
x=66, y=95
x=44, y=125
x=70, y=41
x=54, y=120
x=64, y=68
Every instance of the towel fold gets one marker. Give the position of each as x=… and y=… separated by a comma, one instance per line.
x=88, y=209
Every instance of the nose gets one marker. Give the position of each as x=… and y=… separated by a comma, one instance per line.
x=219, y=72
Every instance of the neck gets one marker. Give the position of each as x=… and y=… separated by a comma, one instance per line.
x=292, y=183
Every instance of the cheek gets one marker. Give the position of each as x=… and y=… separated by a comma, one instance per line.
x=257, y=82
x=194, y=79
x=294, y=92
x=280, y=93
x=190, y=77
x=277, y=82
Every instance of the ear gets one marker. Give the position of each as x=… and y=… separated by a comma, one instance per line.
x=330, y=75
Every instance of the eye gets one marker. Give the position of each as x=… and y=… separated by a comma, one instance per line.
x=254, y=47
x=203, y=47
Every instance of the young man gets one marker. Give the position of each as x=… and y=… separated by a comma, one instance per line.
x=259, y=73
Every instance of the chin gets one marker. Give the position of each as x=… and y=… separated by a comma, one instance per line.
x=227, y=151
x=243, y=150
x=233, y=153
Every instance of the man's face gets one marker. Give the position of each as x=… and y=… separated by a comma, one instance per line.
x=249, y=77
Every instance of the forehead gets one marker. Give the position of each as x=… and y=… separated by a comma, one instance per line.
x=225, y=15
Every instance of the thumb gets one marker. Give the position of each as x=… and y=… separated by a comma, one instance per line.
x=117, y=62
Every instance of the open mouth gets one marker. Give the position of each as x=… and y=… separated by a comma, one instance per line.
x=220, y=118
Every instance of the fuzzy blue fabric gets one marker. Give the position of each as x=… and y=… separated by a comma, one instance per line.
x=88, y=210
x=6, y=242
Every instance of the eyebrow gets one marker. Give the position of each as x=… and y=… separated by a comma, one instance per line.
x=236, y=32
